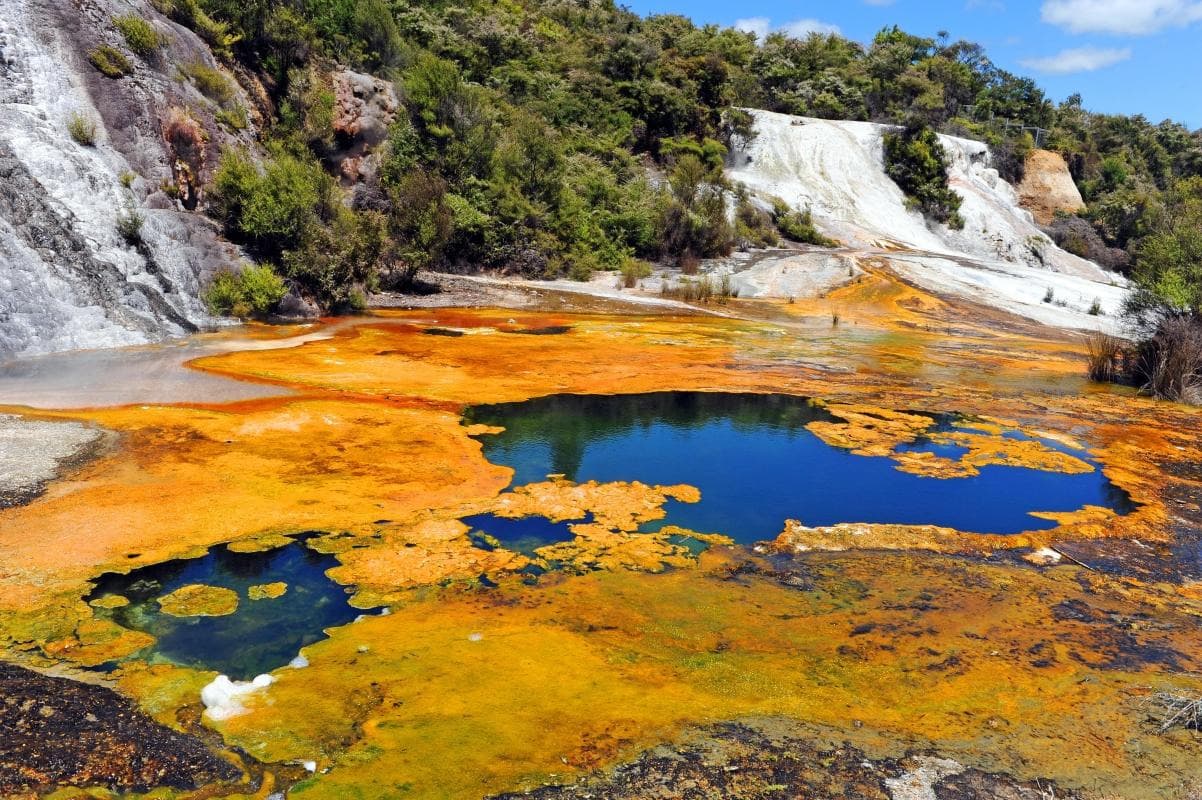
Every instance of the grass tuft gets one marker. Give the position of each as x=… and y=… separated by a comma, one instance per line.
x=110, y=61
x=82, y=129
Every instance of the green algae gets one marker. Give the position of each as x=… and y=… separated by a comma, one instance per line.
x=198, y=600
x=267, y=591
x=109, y=601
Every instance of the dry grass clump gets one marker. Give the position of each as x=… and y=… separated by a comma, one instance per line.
x=82, y=129
x=702, y=290
x=1178, y=711
x=1167, y=365
x=1170, y=363
x=1107, y=357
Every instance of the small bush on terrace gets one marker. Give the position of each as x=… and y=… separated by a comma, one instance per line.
x=129, y=225
x=110, y=61
x=799, y=226
x=754, y=227
x=139, y=34
x=917, y=163
x=634, y=270
x=253, y=292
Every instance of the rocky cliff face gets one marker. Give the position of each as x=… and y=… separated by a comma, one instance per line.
x=69, y=278
x=1048, y=187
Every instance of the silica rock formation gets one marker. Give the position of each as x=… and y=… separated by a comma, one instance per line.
x=69, y=278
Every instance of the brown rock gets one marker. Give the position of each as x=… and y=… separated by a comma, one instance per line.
x=1048, y=187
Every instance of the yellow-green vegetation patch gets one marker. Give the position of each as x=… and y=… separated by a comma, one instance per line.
x=198, y=600
x=110, y=61
x=110, y=601
x=259, y=544
x=267, y=591
x=96, y=641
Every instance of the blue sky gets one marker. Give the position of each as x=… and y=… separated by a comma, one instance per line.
x=1123, y=56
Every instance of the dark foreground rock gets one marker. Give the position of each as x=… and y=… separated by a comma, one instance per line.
x=59, y=732
x=772, y=760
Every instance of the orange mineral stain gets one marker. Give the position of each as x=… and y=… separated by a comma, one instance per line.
x=896, y=638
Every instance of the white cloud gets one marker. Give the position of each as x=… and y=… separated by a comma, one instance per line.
x=798, y=28
x=757, y=25
x=1136, y=17
x=1081, y=59
x=801, y=28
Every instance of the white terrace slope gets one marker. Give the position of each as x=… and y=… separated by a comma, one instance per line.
x=1000, y=258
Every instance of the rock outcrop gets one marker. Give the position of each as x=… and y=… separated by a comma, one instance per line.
x=76, y=268
x=364, y=108
x=1048, y=187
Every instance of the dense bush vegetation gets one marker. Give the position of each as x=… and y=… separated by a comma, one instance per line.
x=532, y=132
x=253, y=292
x=549, y=137
x=916, y=161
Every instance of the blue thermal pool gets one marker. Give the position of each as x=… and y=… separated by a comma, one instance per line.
x=757, y=465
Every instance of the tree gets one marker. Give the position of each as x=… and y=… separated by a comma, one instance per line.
x=1168, y=264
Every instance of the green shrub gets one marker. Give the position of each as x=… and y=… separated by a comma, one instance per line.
x=127, y=179
x=335, y=262
x=275, y=207
x=1168, y=264
x=110, y=61
x=82, y=129
x=419, y=224
x=308, y=110
x=190, y=14
x=129, y=225
x=633, y=271
x=798, y=226
x=917, y=163
x=140, y=35
x=753, y=226
x=253, y=292
x=693, y=223
x=234, y=117
x=210, y=82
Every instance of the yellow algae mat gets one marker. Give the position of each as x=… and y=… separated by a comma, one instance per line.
x=892, y=639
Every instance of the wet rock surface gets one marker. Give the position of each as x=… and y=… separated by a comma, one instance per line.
x=765, y=759
x=59, y=732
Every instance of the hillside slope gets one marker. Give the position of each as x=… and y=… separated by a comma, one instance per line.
x=836, y=169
